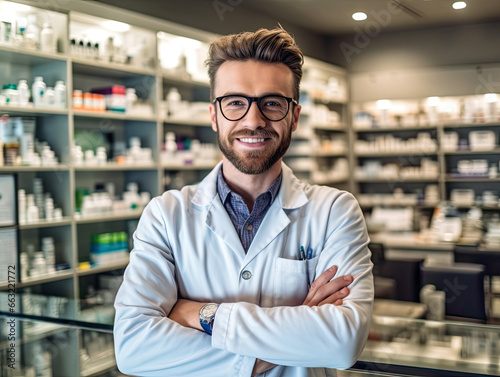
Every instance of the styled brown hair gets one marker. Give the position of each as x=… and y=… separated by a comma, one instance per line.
x=264, y=45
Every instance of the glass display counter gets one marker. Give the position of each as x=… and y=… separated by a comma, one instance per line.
x=77, y=340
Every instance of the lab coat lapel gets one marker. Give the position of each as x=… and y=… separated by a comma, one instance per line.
x=217, y=217
x=218, y=220
x=290, y=196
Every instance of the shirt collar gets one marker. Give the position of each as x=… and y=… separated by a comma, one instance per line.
x=224, y=190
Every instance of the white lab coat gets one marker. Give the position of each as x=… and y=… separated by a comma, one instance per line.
x=185, y=246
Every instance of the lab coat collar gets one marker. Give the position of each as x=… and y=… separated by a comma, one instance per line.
x=291, y=194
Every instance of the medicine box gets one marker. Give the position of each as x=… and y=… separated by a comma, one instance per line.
x=482, y=140
x=7, y=200
x=114, y=96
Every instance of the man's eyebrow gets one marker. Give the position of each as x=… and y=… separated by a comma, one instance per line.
x=245, y=95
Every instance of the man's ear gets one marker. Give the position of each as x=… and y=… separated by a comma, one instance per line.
x=295, y=118
x=213, y=116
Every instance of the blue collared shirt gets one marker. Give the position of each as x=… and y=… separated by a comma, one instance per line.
x=246, y=223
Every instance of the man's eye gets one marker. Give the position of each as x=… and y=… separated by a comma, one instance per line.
x=272, y=104
x=235, y=103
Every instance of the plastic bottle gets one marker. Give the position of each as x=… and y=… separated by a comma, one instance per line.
x=37, y=90
x=77, y=99
x=131, y=98
x=32, y=214
x=49, y=97
x=49, y=253
x=32, y=32
x=38, y=265
x=21, y=201
x=173, y=101
x=170, y=148
x=60, y=95
x=23, y=92
x=47, y=39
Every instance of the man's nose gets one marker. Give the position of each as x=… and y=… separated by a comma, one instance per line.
x=254, y=118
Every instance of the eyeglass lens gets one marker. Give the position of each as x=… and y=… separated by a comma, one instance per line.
x=273, y=107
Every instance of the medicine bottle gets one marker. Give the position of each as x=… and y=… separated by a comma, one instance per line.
x=38, y=89
x=77, y=99
x=47, y=39
x=60, y=94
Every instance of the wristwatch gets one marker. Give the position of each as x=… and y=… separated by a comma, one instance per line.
x=207, y=316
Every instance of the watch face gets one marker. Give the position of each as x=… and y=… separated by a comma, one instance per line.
x=208, y=310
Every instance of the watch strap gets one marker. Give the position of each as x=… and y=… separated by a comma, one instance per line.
x=207, y=327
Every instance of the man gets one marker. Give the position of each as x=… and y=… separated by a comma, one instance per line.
x=218, y=281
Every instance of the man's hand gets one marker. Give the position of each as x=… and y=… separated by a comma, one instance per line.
x=323, y=291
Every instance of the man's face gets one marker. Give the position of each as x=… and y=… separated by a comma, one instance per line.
x=253, y=144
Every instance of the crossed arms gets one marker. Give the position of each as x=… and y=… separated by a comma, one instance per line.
x=323, y=291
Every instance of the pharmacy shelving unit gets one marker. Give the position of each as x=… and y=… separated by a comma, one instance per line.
x=369, y=188
x=319, y=152
x=152, y=81
x=61, y=128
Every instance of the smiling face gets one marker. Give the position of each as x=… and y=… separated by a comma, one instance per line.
x=253, y=144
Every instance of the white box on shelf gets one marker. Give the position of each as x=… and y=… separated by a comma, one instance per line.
x=7, y=200
x=8, y=256
x=482, y=140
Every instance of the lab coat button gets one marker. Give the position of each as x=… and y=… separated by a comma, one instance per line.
x=246, y=274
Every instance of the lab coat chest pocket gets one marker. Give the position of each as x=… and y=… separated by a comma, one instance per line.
x=290, y=284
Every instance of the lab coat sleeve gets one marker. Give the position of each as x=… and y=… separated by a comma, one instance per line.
x=147, y=342
x=323, y=336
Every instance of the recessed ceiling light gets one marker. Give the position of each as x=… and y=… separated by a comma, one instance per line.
x=359, y=16
x=459, y=5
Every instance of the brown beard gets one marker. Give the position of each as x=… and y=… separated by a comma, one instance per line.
x=254, y=162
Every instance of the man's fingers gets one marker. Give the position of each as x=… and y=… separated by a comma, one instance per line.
x=337, y=296
x=324, y=278
x=328, y=291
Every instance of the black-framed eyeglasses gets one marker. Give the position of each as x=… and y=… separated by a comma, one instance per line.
x=274, y=107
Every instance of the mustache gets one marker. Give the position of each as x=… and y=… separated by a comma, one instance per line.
x=265, y=134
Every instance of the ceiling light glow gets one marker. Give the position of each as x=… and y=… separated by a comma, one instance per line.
x=384, y=104
x=116, y=26
x=359, y=16
x=459, y=5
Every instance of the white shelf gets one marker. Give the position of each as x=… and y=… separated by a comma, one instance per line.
x=397, y=153
x=47, y=278
x=25, y=56
x=113, y=115
x=115, y=167
x=395, y=179
x=102, y=268
x=103, y=68
x=114, y=216
x=45, y=224
x=187, y=122
x=472, y=125
x=394, y=129
x=30, y=110
x=493, y=151
x=26, y=168
x=450, y=178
